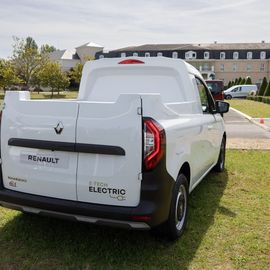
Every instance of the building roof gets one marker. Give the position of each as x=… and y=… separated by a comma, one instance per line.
x=70, y=54
x=90, y=44
x=203, y=46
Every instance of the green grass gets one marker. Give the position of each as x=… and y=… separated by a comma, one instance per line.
x=47, y=95
x=252, y=108
x=228, y=228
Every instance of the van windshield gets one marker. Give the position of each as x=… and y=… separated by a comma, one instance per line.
x=215, y=86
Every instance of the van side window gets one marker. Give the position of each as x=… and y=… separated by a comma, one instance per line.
x=207, y=102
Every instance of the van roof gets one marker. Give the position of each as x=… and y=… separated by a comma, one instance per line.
x=155, y=61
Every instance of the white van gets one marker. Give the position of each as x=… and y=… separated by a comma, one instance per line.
x=239, y=91
x=140, y=137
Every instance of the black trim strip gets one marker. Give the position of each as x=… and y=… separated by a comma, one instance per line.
x=99, y=149
x=41, y=144
x=68, y=147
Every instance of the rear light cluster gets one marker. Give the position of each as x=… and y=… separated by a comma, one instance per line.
x=154, y=142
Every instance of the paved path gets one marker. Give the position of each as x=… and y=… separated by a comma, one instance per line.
x=243, y=134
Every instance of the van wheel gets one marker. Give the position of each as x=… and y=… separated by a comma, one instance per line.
x=228, y=97
x=177, y=220
x=219, y=167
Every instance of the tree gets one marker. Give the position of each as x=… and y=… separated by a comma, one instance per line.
x=46, y=48
x=51, y=76
x=26, y=59
x=267, y=90
x=243, y=81
x=30, y=44
x=239, y=80
x=8, y=76
x=248, y=80
x=76, y=73
x=229, y=84
x=263, y=87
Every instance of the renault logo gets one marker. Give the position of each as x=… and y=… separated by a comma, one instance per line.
x=59, y=128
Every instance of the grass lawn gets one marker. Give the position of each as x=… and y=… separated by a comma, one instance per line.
x=228, y=228
x=252, y=108
x=72, y=95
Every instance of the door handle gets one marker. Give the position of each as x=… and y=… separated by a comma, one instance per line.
x=210, y=127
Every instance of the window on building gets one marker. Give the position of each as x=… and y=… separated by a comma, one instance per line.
x=159, y=54
x=205, y=67
x=249, y=55
x=262, y=67
x=222, y=55
x=190, y=55
x=206, y=55
x=263, y=55
x=222, y=67
x=147, y=54
x=175, y=55
x=135, y=54
x=123, y=54
x=249, y=67
x=235, y=55
x=234, y=67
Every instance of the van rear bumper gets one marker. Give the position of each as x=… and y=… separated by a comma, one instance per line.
x=77, y=217
x=153, y=209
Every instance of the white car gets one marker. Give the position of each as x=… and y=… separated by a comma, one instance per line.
x=140, y=137
x=240, y=91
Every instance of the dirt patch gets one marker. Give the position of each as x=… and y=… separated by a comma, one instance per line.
x=256, y=144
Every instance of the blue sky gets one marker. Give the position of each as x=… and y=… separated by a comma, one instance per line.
x=119, y=23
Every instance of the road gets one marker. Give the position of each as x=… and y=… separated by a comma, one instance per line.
x=238, y=126
x=242, y=134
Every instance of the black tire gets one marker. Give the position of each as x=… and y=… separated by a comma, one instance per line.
x=176, y=223
x=228, y=97
x=219, y=167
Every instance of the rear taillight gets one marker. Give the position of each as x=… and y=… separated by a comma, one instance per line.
x=154, y=141
x=222, y=95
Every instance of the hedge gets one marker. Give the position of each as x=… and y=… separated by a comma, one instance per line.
x=260, y=99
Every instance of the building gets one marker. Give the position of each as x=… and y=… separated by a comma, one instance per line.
x=69, y=58
x=224, y=61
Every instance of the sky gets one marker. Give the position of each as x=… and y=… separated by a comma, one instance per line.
x=67, y=24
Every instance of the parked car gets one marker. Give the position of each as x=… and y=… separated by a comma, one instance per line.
x=141, y=136
x=216, y=87
x=240, y=91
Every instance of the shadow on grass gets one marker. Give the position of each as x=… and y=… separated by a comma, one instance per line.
x=32, y=242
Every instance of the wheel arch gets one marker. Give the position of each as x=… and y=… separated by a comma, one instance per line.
x=185, y=169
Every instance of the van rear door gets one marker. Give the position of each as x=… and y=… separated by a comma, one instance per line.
x=37, y=146
x=109, y=138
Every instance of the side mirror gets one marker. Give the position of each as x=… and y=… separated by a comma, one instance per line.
x=222, y=107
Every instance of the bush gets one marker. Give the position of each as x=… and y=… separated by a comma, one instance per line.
x=263, y=87
x=248, y=80
x=267, y=90
x=243, y=81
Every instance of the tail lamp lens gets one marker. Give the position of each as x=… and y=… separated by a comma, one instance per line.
x=154, y=140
